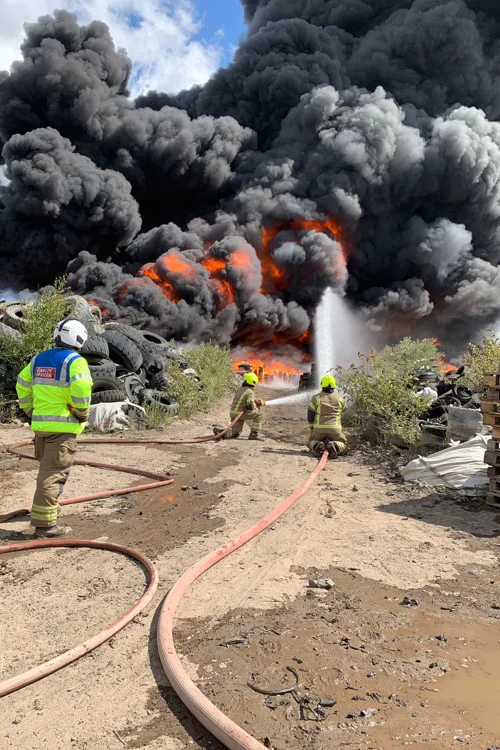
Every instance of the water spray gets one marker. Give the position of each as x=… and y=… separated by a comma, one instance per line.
x=324, y=350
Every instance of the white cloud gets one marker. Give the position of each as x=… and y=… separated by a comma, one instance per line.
x=160, y=36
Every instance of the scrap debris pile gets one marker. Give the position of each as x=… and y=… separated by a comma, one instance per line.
x=126, y=363
x=454, y=414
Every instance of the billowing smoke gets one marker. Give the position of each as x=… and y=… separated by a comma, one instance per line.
x=350, y=144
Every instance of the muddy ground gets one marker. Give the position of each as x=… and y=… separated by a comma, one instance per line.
x=390, y=675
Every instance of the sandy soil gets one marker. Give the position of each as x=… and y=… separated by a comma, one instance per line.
x=423, y=675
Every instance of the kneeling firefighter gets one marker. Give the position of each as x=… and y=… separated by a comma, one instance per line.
x=324, y=418
x=54, y=391
x=244, y=400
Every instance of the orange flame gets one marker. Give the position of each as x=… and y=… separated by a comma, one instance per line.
x=274, y=278
x=105, y=311
x=166, y=288
x=267, y=366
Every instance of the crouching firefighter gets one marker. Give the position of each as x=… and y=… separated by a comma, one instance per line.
x=54, y=391
x=245, y=401
x=324, y=418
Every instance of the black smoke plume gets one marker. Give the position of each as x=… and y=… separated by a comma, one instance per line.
x=350, y=143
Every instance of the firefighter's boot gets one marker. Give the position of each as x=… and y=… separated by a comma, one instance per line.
x=256, y=436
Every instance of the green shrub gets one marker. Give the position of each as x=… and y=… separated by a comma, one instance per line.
x=481, y=359
x=215, y=370
x=40, y=321
x=381, y=389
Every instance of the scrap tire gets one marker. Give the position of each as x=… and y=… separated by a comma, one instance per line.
x=12, y=333
x=108, y=397
x=160, y=382
x=161, y=399
x=123, y=351
x=79, y=308
x=131, y=333
x=154, y=338
x=133, y=387
x=104, y=370
x=95, y=346
x=13, y=315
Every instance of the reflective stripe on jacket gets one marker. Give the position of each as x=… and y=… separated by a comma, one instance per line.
x=244, y=400
x=325, y=410
x=53, y=382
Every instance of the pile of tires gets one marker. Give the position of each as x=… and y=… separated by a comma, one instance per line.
x=127, y=363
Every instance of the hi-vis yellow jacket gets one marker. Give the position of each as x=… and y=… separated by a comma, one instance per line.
x=53, y=384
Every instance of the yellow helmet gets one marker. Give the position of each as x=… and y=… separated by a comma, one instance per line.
x=328, y=382
x=251, y=379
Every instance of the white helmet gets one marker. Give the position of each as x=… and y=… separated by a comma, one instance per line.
x=70, y=332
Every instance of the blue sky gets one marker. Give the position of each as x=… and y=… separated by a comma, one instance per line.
x=225, y=15
x=173, y=44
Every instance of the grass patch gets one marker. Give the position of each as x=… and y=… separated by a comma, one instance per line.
x=40, y=321
x=215, y=370
x=481, y=359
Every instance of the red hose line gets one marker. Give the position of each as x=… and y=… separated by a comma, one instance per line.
x=194, y=441
x=220, y=725
x=163, y=479
x=49, y=667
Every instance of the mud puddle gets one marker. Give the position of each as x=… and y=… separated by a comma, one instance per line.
x=400, y=675
x=162, y=519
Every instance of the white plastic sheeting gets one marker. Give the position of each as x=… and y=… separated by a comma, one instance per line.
x=461, y=466
x=115, y=416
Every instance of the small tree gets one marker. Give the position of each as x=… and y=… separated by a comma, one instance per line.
x=481, y=359
x=381, y=389
x=214, y=368
x=40, y=320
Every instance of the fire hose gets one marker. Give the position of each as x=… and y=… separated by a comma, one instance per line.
x=220, y=725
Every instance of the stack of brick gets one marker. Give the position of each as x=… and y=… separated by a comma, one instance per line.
x=490, y=406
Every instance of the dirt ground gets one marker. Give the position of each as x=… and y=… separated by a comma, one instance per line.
x=390, y=675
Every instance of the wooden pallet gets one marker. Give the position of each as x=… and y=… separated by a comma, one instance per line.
x=493, y=446
x=492, y=458
x=495, y=434
x=492, y=394
x=494, y=484
x=492, y=419
x=490, y=407
x=493, y=499
x=492, y=381
x=494, y=473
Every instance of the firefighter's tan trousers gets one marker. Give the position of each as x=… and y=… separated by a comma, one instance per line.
x=254, y=416
x=56, y=453
x=319, y=434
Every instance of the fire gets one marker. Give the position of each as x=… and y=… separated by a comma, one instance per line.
x=166, y=288
x=443, y=366
x=175, y=263
x=273, y=277
x=221, y=286
x=105, y=311
x=267, y=365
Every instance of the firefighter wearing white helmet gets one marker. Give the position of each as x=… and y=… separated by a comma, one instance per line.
x=324, y=418
x=54, y=390
x=245, y=401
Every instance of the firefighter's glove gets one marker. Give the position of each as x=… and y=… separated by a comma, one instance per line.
x=260, y=402
x=82, y=416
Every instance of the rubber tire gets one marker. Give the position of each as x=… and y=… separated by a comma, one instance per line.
x=108, y=397
x=95, y=346
x=9, y=332
x=123, y=351
x=161, y=399
x=133, y=387
x=105, y=370
x=108, y=384
x=154, y=338
x=131, y=333
x=13, y=315
x=160, y=382
x=79, y=308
